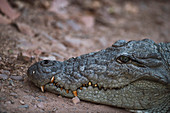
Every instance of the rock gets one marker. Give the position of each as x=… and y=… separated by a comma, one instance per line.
x=19, y=78
x=12, y=102
x=103, y=41
x=45, y=4
x=60, y=96
x=2, y=98
x=46, y=35
x=8, y=102
x=57, y=55
x=48, y=58
x=14, y=95
x=29, y=97
x=4, y=20
x=11, y=82
x=3, y=76
x=75, y=100
x=5, y=72
x=54, y=109
x=23, y=56
x=24, y=106
x=60, y=25
x=42, y=98
x=2, y=89
x=72, y=42
x=25, y=29
x=88, y=21
x=74, y=25
x=10, y=87
x=22, y=102
x=7, y=10
x=131, y=8
x=40, y=105
x=59, y=7
x=58, y=46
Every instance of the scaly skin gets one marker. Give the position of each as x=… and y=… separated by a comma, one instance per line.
x=134, y=75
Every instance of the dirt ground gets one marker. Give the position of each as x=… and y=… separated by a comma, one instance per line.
x=60, y=29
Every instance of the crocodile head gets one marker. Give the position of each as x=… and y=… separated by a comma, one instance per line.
x=133, y=75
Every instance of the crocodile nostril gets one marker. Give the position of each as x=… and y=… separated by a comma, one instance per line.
x=46, y=61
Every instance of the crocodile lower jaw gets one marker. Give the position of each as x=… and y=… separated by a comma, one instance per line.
x=123, y=97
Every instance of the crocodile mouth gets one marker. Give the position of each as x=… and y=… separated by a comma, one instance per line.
x=60, y=88
x=140, y=90
x=55, y=87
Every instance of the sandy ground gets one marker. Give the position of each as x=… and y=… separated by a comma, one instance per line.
x=72, y=28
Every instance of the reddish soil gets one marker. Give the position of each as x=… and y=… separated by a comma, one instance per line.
x=47, y=30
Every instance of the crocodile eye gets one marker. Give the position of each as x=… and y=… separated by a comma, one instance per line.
x=123, y=59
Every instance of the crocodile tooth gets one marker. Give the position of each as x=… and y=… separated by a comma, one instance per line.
x=42, y=88
x=95, y=85
x=67, y=91
x=75, y=93
x=52, y=79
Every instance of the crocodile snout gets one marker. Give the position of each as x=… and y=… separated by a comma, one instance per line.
x=42, y=72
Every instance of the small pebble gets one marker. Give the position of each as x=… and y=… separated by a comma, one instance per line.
x=74, y=25
x=22, y=102
x=11, y=83
x=60, y=96
x=24, y=106
x=8, y=102
x=40, y=100
x=40, y=105
x=75, y=100
x=5, y=72
x=2, y=98
x=48, y=58
x=54, y=109
x=43, y=97
x=19, y=78
x=12, y=102
x=3, y=76
x=2, y=89
x=26, y=91
x=10, y=87
x=13, y=94
x=57, y=55
x=35, y=106
x=23, y=57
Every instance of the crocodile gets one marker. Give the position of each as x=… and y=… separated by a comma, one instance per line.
x=134, y=75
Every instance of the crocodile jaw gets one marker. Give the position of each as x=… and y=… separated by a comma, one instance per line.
x=131, y=96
